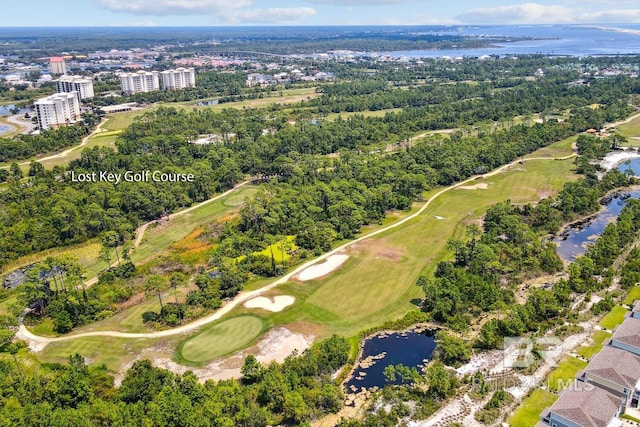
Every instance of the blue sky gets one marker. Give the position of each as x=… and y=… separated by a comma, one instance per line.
x=313, y=12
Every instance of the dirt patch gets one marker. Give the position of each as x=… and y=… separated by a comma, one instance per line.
x=275, y=304
x=479, y=186
x=134, y=300
x=393, y=255
x=319, y=270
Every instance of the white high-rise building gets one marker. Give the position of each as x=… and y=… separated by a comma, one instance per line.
x=57, y=65
x=56, y=110
x=141, y=81
x=178, y=78
x=82, y=85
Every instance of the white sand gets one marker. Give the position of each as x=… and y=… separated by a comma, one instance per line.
x=611, y=160
x=480, y=186
x=277, y=303
x=439, y=217
x=319, y=270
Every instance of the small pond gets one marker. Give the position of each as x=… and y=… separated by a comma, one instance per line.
x=630, y=164
x=208, y=103
x=573, y=241
x=4, y=129
x=6, y=110
x=409, y=348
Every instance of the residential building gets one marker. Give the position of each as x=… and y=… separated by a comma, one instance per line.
x=57, y=65
x=141, y=81
x=179, y=78
x=56, y=110
x=83, y=86
x=583, y=405
x=627, y=335
x=614, y=370
x=636, y=310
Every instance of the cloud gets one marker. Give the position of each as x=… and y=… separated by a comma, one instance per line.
x=526, y=13
x=535, y=13
x=360, y=2
x=274, y=15
x=173, y=7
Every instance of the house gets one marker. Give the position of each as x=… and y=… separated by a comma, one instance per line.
x=584, y=405
x=616, y=371
x=635, y=312
x=627, y=335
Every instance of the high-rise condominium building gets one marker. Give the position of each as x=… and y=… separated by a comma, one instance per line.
x=178, y=78
x=56, y=110
x=57, y=65
x=141, y=81
x=83, y=86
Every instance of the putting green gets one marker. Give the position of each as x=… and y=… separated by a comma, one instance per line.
x=221, y=339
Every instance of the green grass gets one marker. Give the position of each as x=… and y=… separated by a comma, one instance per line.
x=276, y=249
x=122, y=120
x=528, y=413
x=221, y=339
x=564, y=373
x=113, y=352
x=378, y=113
x=632, y=296
x=44, y=328
x=559, y=149
x=157, y=240
x=239, y=198
x=598, y=338
x=630, y=129
x=4, y=305
x=614, y=318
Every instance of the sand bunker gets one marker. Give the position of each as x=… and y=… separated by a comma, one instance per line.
x=439, y=217
x=611, y=160
x=319, y=270
x=277, y=303
x=480, y=186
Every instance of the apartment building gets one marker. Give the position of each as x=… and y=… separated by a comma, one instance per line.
x=57, y=65
x=56, y=110
x=83, y=86
x=179, y=78
x=141, y=81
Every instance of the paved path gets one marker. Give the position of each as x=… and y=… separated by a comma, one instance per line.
x=244, y=296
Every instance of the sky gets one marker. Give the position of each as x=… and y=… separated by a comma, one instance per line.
x=313, y=12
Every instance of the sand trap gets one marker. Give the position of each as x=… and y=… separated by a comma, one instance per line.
x=611, y=160
x=277, y=303
x=439, y=217
x=480, y=186
x=319, y=270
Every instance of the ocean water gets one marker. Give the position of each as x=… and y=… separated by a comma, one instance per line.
x=561, y=40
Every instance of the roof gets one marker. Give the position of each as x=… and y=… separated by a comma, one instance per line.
x=636, y=307
x=618, y=366
x=56, y=59
x=586, y=405
x=628, y=332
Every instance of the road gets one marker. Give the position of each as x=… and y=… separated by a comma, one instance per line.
x=24, y=333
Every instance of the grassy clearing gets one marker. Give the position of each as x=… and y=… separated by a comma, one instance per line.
x=632, y=296
x=379, y=113
x=559, y=149
x=629, y=129
x=113, y=352
x=598, y=338
x=119, y=121
x=86, y=253
x=4, y=305
x=159, y=239
x=564, y=373
x=239, y=198
x=223, y=338
x=528, y=413
x=279, y=250
x=613, y=318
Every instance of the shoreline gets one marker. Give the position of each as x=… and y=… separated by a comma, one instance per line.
x=614, y=158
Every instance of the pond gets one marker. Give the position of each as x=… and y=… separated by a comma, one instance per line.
x=6, y=110
x=4, y=129
x=575, y=239
x=410, y=348
x=630, y=164
x=208, y=103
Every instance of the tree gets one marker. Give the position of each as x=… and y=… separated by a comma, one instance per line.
x=156, y=284
x=251, y=370
x=15, y=173
x=452, y=350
